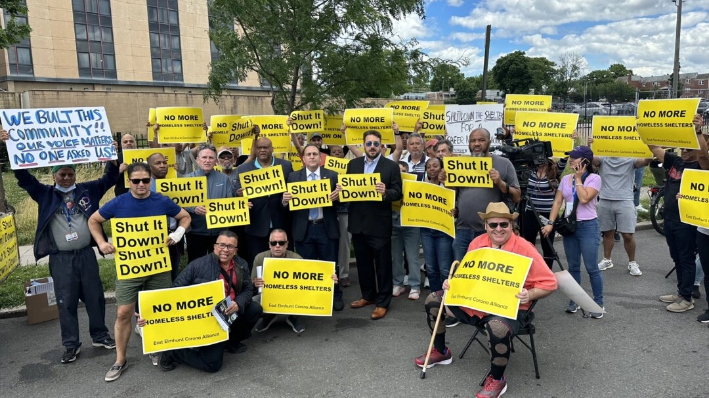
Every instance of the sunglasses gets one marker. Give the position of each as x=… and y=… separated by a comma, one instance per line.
x=223, y=246
x=494, y=225
x=375, y=143
x=137, y=181
x=278, y=242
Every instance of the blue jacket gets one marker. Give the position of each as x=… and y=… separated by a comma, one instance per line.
x=86, y=196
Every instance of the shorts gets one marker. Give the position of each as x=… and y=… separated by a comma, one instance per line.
x=127, y=289
x=619, y=215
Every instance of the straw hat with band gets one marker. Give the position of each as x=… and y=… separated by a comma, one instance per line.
x=499, y=210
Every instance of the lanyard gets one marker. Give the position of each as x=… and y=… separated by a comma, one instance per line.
x=573, y=184
x=67, y=210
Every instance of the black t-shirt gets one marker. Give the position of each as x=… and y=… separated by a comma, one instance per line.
x=675, y=167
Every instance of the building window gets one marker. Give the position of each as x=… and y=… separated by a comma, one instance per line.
x=165, y=49
x=212, y=47
x=93, y=30
x=701, y=82
x=687, y=81
x=19, y=56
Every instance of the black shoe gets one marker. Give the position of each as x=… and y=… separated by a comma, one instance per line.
x=452, y=322
x=696, y=293
x=703, y=318
x=265, y=323
x=240, y=348
x=338, y=305
x=70, y=355
x=167, y=363
x=294, y=323
x=107, y=343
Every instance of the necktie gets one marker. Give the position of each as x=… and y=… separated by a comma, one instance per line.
x=313, y=213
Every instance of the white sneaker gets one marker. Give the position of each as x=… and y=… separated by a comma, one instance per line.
x=605, y=264
x=425, y=283
x=641, y=208
x=398, y=290
x=634, y=269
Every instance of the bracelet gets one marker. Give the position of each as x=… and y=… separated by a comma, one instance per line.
x=579, y=184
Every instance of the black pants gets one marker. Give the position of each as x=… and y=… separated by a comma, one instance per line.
x=76, y=276
x=703, y=249
x=199, y=245
x=530, y=230
x=317, y=246
x=373, y=256
x=682, y=241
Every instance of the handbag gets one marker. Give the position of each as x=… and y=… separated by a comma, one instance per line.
x=566, y=226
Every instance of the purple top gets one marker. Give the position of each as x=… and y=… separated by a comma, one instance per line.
x=583, y=211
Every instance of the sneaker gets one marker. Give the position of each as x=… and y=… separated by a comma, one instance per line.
x=423, y=267
x=695, y=292
x=398, y=290
x=492, y=388
x=436, y=358
x=597, y=315
x=634, y=269
x=115, y=371
x=426, y=285
x=265, y=323
x=669, y=298
x=70, y=355
x=294, y=323
x=240, y=348
x=571, y=308
x=154, y=358
x=107, y=343
x=166, y=362
x=681, y=305
x=703, y=318
x=138, y=330
x=414, y=295
x=406, y=280
x=641, y=208
x=452, y=322
x=605, y=264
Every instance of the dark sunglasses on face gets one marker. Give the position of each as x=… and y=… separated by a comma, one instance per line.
x=137, y=181
x=278, y=242
x=375, y=143
x=493, y=225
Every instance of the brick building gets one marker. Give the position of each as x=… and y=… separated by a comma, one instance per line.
x=694, y=85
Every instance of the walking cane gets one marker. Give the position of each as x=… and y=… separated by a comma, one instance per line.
x=438, y=319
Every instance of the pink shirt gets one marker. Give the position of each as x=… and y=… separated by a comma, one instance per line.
x=583, y=211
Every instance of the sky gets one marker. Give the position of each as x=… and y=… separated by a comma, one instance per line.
x=639, y=34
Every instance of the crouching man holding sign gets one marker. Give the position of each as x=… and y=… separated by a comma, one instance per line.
x=534, y=284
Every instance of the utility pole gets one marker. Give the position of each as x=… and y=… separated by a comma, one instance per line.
x=487, y=58
x=675, y=74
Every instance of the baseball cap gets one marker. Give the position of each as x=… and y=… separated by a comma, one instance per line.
x=223, y=150
x=581, y=152
x=431, y=143
x=314, y=135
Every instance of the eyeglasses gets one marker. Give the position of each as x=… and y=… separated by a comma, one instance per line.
x=223, y=246
x=137, y=181
x=278, y=242
x=375, y=143
x=494, y=225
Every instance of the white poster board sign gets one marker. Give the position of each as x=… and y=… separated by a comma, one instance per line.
x=463, y=119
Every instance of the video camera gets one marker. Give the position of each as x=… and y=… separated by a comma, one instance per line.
x=526, y=155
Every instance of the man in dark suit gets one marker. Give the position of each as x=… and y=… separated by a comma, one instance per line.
x=316, y=231
x=267, y=212
x=370, y=223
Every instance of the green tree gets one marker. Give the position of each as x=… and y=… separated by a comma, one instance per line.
x=616, y=92
x=14, y=30
x=619, y=70
x=314, y=54
x=512, y=73
x=466, y=91
x=445, y=76
x=569, y=69
x=542, y=71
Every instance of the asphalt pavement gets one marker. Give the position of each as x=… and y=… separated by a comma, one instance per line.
x=638, y=349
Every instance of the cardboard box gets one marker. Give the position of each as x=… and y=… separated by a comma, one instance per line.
x=40, y=301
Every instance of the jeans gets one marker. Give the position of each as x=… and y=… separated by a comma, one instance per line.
x=463, y=237
x=406, y=239
x=638, y=184
x=681, y=240
x=585, y=242
x=438, y=253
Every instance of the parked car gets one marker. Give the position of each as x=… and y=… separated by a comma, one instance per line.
x=703, y=106
x=627, y=109
x=590, y=109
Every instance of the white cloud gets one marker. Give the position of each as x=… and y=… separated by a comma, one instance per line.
x=455, y=3
x=466, y=36
x=411, y=26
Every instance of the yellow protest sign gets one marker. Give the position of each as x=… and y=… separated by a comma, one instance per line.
x=131, y=156
x=307, y=121
x=359, y=187
x=294, y=158
x=358, y=121
x=433, y=122
x=180, y=125
x=152, y=119
x=297, y=287
x=309, y=194
x=141, y=246
x=487, y=280
x=428, y=206
x=218, y=168
x=486, y=103
x=185, y=192
x=439, y=107
x=694, y=200
x=668, y=122
x=524, y=103
x=246, y=144
x=227, y=212
x=274, y=128
x=468, y=171
x=229, y=130
x=332, y=134
x=181, y=317
x=396, y=205
x=617, y=136
x=337, y=165
x=263, y=182
x=557, y=128
x=407, y=113
x=9, y=251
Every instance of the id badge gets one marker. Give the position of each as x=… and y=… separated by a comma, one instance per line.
x=71, y=236
x=568, y=209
